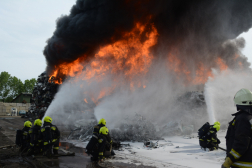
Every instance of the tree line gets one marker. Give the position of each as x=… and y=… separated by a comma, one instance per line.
x=11, y=86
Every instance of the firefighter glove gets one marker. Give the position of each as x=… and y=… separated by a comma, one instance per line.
x=227, y=163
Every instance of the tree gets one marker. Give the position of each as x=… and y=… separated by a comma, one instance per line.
x=11, y=86
x=4, y=86
x=29, y=84
x=16, y=87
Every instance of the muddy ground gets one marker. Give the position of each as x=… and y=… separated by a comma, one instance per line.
x=10, y=156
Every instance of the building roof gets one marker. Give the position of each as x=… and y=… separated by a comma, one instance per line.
x=23, y=93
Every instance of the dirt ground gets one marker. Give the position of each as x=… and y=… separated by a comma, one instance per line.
x=10, y=156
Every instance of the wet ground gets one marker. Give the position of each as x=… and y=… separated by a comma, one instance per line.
x=10, y=156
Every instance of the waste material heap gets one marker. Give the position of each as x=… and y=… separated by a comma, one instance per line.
x=42, y=96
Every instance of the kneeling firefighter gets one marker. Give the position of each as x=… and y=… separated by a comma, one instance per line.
x=239, y=135
x=105, y=144
x=22, y=136
x=211, y=137
x=35, y=141
x=208, y=136
x=51, y=136
x=93, y=143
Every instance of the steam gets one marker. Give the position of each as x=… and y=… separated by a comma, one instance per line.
x=197, y=33
x=220, y=92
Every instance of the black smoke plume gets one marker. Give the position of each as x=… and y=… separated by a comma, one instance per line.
x=197, y=28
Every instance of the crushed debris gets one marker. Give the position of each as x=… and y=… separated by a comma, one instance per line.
x=42, y=96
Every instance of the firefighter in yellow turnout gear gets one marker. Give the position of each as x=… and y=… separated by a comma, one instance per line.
x=25, y=138
x=51, y=137
x=92, y=145
x=208, y=136
x=239, y=133
x=105, y=144
x=211, y=137
x=35, y=140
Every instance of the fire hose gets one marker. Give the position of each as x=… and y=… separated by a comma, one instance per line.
x=218, y=147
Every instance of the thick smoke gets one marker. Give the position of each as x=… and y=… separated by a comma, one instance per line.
x=196, y=27
x=196, y=32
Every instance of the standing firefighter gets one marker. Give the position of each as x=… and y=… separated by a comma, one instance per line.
x=35, y=141
x=105, y=144
x=22, y=137
x=50, y=135
x=92, y=145
x=208, y=136
x=238, y=138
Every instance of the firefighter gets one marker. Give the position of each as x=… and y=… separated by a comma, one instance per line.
x=238, y=137
x=93, y=143
x=25, y=136
x=208, y=136
x=105, y=144
x=35, y=141
x=211, y=137
x=51, y=136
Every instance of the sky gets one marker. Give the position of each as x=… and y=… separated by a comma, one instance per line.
x=25, y=25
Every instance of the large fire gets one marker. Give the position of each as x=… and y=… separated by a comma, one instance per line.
x=132, y=57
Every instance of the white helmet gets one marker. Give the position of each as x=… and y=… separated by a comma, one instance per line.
x=243, y=98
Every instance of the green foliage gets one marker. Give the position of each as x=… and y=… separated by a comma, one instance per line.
x=11, y=86
x=29, y=84
x=4, y=86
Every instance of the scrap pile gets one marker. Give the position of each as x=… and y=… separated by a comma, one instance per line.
x=137, y=129
x=42, y=95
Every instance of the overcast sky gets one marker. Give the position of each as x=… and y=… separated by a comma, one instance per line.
x=25, y=25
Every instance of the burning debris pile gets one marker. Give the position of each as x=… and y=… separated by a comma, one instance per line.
x=42, y=95
x=130, y=57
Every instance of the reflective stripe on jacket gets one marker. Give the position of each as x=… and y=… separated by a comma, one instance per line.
x=238, y=139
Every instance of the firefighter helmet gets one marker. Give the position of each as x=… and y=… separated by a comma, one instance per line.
x=217, y=127
x=38, y=122
x=28, y=124
x=48, y=119
x=243, y=97
x=102, y=121
x=104, y=130
x=217, y=123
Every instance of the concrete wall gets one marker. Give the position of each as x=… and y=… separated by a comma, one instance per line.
x=5, y=108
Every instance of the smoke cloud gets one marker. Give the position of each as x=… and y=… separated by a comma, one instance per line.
x=196, y=27
x=193, y=37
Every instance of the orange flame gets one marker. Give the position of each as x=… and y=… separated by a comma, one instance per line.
x=199, y=76
x=130, y=56
x=221, y=64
